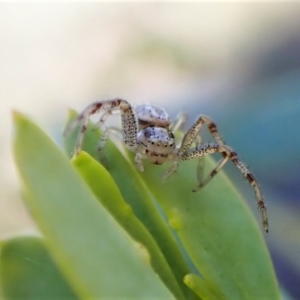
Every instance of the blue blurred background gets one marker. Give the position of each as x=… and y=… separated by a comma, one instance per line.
x=236, y=62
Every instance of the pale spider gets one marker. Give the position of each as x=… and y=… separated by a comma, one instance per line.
x=148, y=133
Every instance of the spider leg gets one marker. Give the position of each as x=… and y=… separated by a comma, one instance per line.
x=193, y=136
x=79, y=140
x=197, y=152
x=200, y=166
x=139, y=162
x=102, y=120
x=253, y=182
x=171, y=170
x=192, y=133
x=129, y=126
x=105, y=134
x=228, y=153
x=176, y=125
x=179, y=122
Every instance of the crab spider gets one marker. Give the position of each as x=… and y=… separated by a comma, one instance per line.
x=147, y=131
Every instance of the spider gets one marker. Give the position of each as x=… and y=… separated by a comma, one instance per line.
x=148, y=132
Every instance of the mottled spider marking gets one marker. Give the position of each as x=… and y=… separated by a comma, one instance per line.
x=129, y=126
x=253, y=182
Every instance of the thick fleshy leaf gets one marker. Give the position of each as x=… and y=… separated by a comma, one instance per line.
x=108, y=194
x=96, y=256
x=216, y=229
x=28, y=272
x=137, y=196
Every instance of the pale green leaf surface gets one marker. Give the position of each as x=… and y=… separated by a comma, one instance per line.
x=94, y=174
x=28, y=272
x=200, y=287
x=92, y=251
x=218, y=231
x=137, y=196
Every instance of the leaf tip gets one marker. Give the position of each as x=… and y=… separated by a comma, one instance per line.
x=17, y=116
x=71, y=113
x=20, y=122
x=82, y=155
x=191, y=280
x=187, y=279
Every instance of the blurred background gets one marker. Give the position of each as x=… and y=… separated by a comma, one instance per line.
x=236, y=62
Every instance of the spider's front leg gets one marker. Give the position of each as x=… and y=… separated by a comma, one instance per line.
x=129, y=126
x=177, y=125
x=173, y=167
x=193, y=136
x=138, y=162
x=190, y=137
x=228, y=154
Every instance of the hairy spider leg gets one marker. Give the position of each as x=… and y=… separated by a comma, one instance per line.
x=139, y=162
x=179, y=122
x=190, y=137
x=200, y=166
x=102, y=120
x=129, y=125
x=177, y=125
x=228, y=153
x=108, y=130
x=192, y=133
x=105, y=134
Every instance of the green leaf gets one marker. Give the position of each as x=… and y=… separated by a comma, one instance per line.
x=214, y=226
x=200, y=287
x=108, y=194
x=28, y=272
x=218, y=231
x=137, y=196
x=94, y=254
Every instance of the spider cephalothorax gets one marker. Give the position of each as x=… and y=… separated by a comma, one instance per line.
x=154, y=138
x=148, y=131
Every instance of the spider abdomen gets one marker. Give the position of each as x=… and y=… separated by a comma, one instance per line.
x=152, y=115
